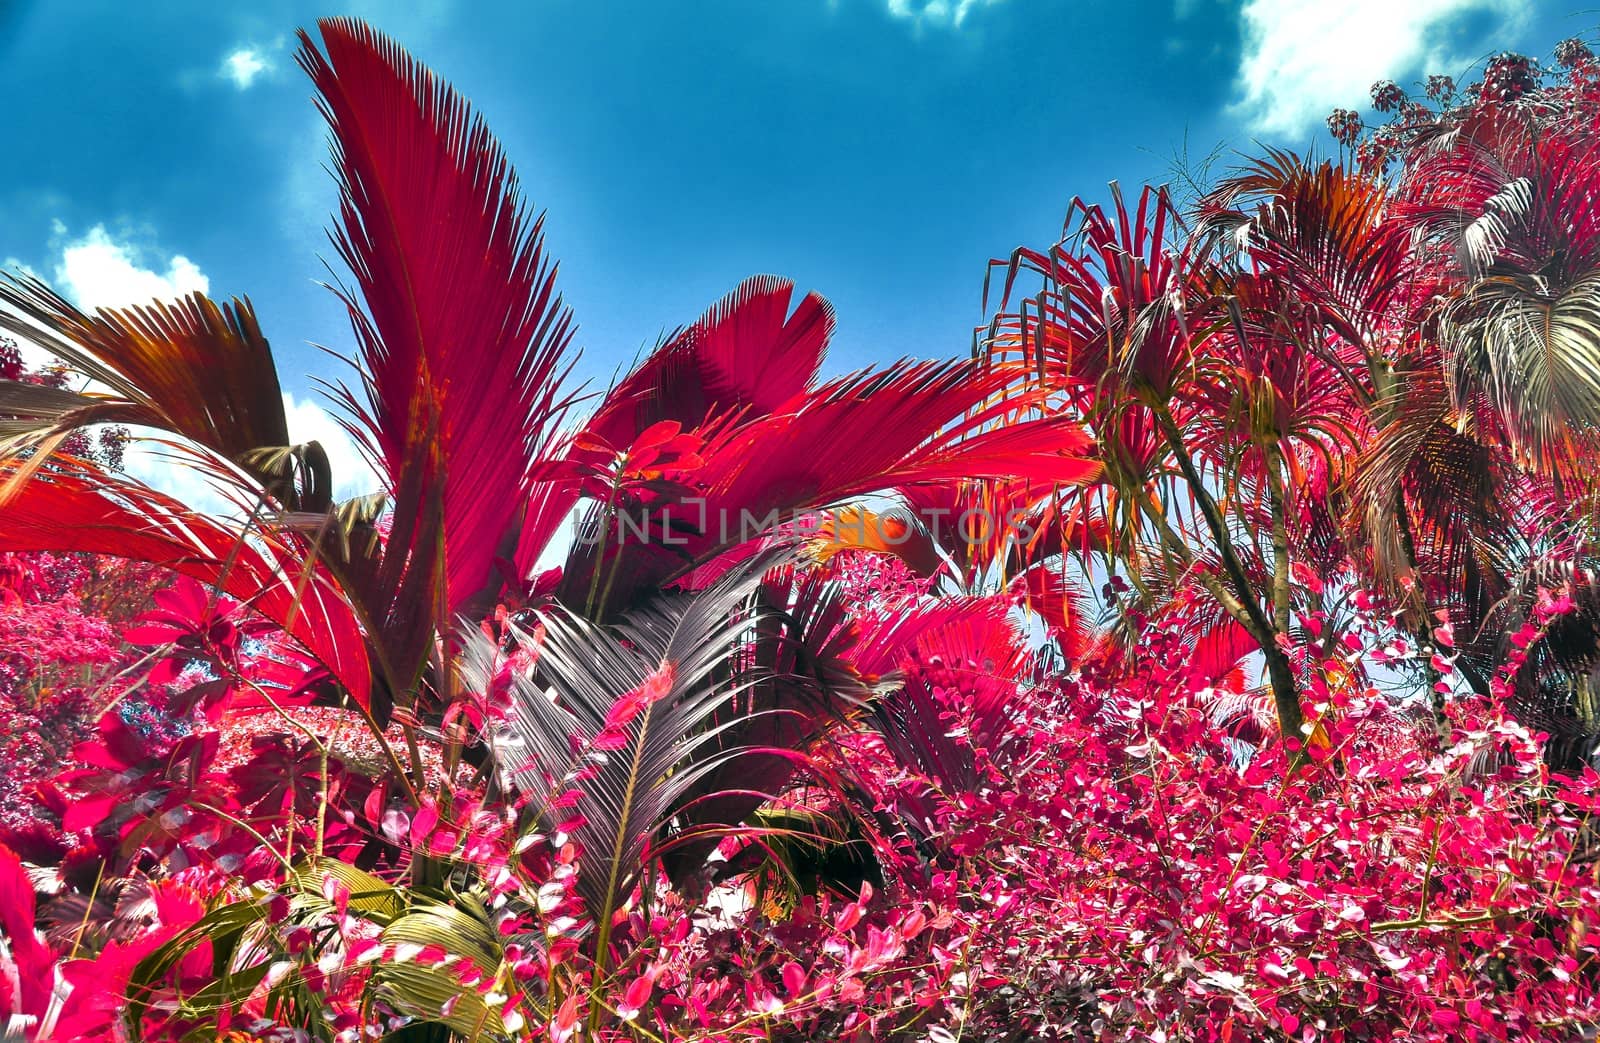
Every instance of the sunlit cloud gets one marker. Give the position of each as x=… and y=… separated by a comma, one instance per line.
x=943, y=14
x=1303, y=58
x=97, y=270
x=100, y=270
x=243, y=66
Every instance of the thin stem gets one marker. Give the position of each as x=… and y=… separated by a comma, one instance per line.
x=1285, y=687
x=1277, y=502
x=608, y=518
x=1231, y=563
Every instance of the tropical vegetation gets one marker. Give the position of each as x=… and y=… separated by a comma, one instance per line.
x=1212, y=653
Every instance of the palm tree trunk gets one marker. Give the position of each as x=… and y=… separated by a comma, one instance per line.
x=1280, y=672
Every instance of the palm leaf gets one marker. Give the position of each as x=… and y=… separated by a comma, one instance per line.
x=86, y=511
x=959, y=663
x=460, y=334
x=1322, y=230
x=804, y=683
x=196, y=369
x=746, y=354
x=870, y=431
x=690, y=643
x=240, y=951
x=427, y=992
x=1109, y=305
x=433, y=993
x=1534, y=350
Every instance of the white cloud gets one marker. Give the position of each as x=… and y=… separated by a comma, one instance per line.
x=940, y=13
x=98, y=271
x=244, y=65
x=1303, y=58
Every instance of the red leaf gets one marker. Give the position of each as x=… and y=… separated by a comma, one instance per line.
x=462, y=337
x=746, y=354
x=1049, y=594
x=422, y=823
x=635, y=996
x=75, y=511
x=35, y=966
x=794, y=978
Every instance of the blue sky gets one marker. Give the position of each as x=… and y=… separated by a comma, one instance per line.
x=879, y=151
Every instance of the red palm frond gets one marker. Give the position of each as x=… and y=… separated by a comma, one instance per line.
x=1444, y=481
x=1281, y=376
x=1049, y=593
x=85, y=511
x=1218, y=653
x=868, y=432
x=981, y=522
x=1505, y=210
x=1111, y=303
x=1500, y=196
x=913, y=422
x=960, y=662
x=461, y=337
x=950, y=513
x=1324, y=231
x=747, y=355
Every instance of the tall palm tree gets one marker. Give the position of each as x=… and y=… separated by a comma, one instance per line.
x=1452, y=309
x=1207, y=415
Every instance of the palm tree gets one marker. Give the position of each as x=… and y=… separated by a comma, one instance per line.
x=1447, y=316
x=1207, y=418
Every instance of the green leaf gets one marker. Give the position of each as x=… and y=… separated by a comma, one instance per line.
x=370, y=896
